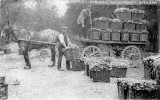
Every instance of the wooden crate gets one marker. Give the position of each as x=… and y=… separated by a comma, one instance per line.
x=94, y=34
x=134, y=37
x=78, y=65
x=118, y=72
x=129, y=26
x=141, y=27
x=106, y=35
x=102, y=24
x=71, y=54
x=116, y=24
x=122, y=91
x=2, y=80
x=116, y=36
x=4, y=92
x=137, y=15
x=7, y=51
x=143, y=36
x=101, y=76
x=124, y=36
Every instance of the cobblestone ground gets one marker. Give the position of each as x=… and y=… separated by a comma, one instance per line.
x=45, y=83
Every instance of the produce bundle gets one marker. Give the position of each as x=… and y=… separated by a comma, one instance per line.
x=138, y=84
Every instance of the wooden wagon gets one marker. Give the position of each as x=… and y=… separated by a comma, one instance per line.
x=121, y=43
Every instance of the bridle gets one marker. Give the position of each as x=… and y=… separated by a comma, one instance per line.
x=8, y=32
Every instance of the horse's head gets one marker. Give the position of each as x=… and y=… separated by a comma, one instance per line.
x=9, y=31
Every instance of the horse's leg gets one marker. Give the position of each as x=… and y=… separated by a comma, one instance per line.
x=23, y=45
x=26, y=57
x=53, y=53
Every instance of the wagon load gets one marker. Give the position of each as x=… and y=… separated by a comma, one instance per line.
x=124, y=14
x=94, y=34
x=141, y=26
x=137, y=15
x=101, y=23
x=116, y=24
x=130, y=25
x=106, y=34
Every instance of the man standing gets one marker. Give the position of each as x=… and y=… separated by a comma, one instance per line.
x=64, y=43
x=84, y=21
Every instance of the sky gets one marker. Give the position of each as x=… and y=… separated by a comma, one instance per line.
x=61, y=5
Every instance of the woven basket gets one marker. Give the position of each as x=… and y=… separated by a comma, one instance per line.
x=134, y=37
x=118, y=72
x=94, y=34
x=141, y=27
x=78, y=65
x=129, y=26
x=124, y=36
x=106, y=35
x=122, y=92
x=3, y=92
x=143, y=36
x=101, y=76
x=116, y=36
x=116, y=25
x=71, y=54
x=124, y=16
x=100, y=24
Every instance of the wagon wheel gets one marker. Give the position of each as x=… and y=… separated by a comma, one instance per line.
x=91, y=51
x=133, y=54
x=104, y=49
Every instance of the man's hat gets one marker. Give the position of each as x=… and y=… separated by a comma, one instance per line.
x=89, y=6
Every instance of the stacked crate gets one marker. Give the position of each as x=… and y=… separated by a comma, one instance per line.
x=134, y=28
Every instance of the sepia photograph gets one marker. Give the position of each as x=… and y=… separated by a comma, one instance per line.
x=79, y=49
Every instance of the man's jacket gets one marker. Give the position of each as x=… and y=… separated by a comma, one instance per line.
x=83, y=16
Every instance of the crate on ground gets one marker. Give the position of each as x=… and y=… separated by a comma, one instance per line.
x=123, y=14
x=134, y=36
x=100, y=76
x=129, y=25
x=106, y=35
x=72, y=54
x=116, y=35
x=125, y=35
x=3, y=91
x=78, y=65
x=149, y=72
x=119, y=68
x=143, y=36
x=2, y=79
x=102, y=23
x=141, y=26
x=122, y=90
x=116, y=24
x=7, y=51
x=137, y=15
x=137, y=89
x=94, y=34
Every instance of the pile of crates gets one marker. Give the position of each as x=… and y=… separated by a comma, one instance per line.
x=137, y=89
x=3, y=89
x=127, y=27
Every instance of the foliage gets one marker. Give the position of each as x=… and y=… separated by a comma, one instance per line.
x=37, y=18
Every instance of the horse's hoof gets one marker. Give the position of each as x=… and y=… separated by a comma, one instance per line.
x=27, y=67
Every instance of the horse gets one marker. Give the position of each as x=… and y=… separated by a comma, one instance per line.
x=21, y=35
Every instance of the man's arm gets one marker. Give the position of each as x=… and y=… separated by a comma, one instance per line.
x=61, y=39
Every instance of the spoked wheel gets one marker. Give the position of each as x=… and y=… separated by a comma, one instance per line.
x=91, y=51
x=133, y=54
x=104, y=49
